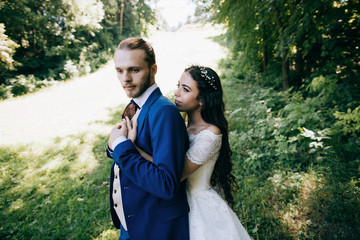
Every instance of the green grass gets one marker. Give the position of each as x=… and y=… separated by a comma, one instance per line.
x=57, y=192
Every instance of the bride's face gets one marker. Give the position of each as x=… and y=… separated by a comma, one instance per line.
x=186, y=94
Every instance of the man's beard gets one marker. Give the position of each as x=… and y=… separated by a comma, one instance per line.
x=143, y=87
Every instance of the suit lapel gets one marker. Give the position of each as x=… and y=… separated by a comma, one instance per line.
x=146, y=107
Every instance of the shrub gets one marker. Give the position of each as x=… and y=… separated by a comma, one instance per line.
x=296, y=159
x=4, y=93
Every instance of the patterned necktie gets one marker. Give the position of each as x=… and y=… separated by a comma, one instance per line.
x=130, y=110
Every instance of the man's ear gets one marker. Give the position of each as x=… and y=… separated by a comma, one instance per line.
x=153, y=70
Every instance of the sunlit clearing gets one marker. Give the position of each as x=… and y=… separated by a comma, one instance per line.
x=108, y=234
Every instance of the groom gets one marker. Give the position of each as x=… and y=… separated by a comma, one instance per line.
x=147, y=199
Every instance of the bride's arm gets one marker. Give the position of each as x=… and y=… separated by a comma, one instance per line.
x=144, y=154
x=189, y=168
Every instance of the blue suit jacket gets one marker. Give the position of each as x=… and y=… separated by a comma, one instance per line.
x=154, y=198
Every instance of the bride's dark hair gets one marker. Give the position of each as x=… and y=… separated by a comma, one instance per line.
x=212, y=111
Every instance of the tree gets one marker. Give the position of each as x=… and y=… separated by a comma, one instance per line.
x=47, y=31
x=51, y=33
x=137, y=17
x=7, y=50
x=122, y=4
x=299, y=38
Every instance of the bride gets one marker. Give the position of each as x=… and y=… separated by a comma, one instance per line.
x=207, y=162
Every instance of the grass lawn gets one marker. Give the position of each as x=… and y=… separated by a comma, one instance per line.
x=60, y=191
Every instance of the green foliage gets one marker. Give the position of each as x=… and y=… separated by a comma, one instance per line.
x=7, y=50
x=297, y=169
x=3, y=92
x=294, y=38
x=321, y=83
x=60, y=39
x=296, y=152
x=21, y=85
x=349, y=121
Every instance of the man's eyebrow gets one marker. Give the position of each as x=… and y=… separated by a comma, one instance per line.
x=131, y=67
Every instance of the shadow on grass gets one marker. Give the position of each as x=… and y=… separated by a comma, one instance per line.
x=60, y=192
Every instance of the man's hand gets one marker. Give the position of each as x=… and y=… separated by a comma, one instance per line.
x=117, y=131
x=132, y=130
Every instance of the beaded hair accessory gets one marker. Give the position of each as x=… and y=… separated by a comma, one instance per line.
x=210, y=80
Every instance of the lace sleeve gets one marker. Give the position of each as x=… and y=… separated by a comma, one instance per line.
x=205, y=145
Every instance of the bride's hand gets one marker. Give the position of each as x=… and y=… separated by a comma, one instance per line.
x=132, y=129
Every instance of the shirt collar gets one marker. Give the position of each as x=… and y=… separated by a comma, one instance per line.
x=140, y=101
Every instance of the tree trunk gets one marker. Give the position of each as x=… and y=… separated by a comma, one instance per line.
x=299, y=67
x=285, y=70
x=121, y=15
x=284, y=51
x=265, y=57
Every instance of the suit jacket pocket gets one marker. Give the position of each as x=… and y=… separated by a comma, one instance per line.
x=175, y=210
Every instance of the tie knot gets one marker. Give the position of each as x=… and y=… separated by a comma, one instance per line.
x=130, y=110
x=136, y=106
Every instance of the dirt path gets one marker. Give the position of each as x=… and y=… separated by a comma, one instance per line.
x=73, y=107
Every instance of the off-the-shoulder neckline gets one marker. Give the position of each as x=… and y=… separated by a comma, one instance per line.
x=204, y=131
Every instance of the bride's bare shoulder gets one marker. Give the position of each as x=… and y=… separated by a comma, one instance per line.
x=214, y=129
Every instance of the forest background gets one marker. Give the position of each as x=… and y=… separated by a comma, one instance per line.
x=291, y=82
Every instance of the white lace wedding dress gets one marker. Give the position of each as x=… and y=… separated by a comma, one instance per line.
x=210, y=217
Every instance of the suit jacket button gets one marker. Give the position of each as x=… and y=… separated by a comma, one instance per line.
x=115, y=205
